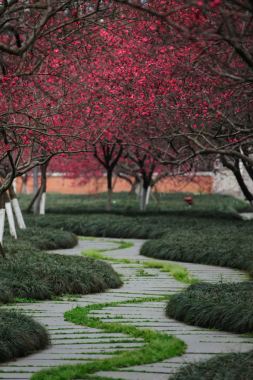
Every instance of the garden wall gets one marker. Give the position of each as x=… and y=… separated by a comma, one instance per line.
x=60, y=184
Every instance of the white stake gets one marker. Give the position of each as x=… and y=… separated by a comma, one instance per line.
x=43, y=204
x=18, y=213
x=2, y=219
x=10, y=218
x=148, y=195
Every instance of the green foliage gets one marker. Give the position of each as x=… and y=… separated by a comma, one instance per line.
x=157, y=346
x=101, y=225
x=222, y=306
x=28, y=272
x=45, y=238
x=146, y=226
x=127, y=203
x=225, y=244
x=20, y=335
x=236, y=366
x=123, y=244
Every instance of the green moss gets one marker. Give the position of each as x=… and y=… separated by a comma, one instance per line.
x=124, y=244
x=177, y=271
x=157, y=346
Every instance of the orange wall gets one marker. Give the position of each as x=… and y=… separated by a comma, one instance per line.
x=59, y=184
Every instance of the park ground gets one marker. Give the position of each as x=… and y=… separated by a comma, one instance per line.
x=160, y=294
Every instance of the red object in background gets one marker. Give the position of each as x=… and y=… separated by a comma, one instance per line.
x=189, y=200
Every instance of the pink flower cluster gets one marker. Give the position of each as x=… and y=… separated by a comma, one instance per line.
x=213, y=3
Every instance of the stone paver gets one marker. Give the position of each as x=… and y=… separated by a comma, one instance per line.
x=72, y=344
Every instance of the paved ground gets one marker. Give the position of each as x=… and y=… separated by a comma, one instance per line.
x=73, y=344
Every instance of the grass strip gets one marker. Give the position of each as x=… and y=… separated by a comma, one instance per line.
x=179, y=272
x=157, y=346
x=176, y=270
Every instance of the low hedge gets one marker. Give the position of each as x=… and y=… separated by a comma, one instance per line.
x=235, y=366
x=227, y=245
x=28, y=272
x=222, y=306
x=103, y=225
x=39, y=275
x=134, y=225
x=45, y=238
x=208, y=240
x=20, y=335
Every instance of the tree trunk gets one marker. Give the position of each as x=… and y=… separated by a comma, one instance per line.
x=40, y=201
x=135, y=185
x=44, y=189
x=35, y=179
x=16, y=208
x=24, y=179
x=143, y=198
x=43, y=203
x=109, y=190
x=31, y=204
x=148, y=195
x=10, y=216
x=2, y=220
x=235, y=168
x=248, y=195
x=36, y=204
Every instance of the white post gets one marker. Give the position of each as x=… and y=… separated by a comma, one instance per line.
x=18, y=213
x=148, y=196
x=2, y=219
x=43, y=204
x=10, y=218
x=143, y=198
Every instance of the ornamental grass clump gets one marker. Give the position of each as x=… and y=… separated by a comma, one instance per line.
x=221, y=306
x=228, y=245
x=20, y=335
x=235, y=366
x=37, y=275
x=48, y=238
x=28, y=272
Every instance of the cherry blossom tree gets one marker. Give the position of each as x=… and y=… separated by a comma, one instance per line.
x=40, y=86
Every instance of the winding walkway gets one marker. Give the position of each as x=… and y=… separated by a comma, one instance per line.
x=74, y=344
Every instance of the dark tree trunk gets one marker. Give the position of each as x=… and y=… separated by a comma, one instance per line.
x=35, y=203
x=109, y=190
x=30, y=206
x=248, y=195
x=39, y=208
x=2, y=214
x=235, y=168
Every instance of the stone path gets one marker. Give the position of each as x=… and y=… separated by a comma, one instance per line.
x=74, y=344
